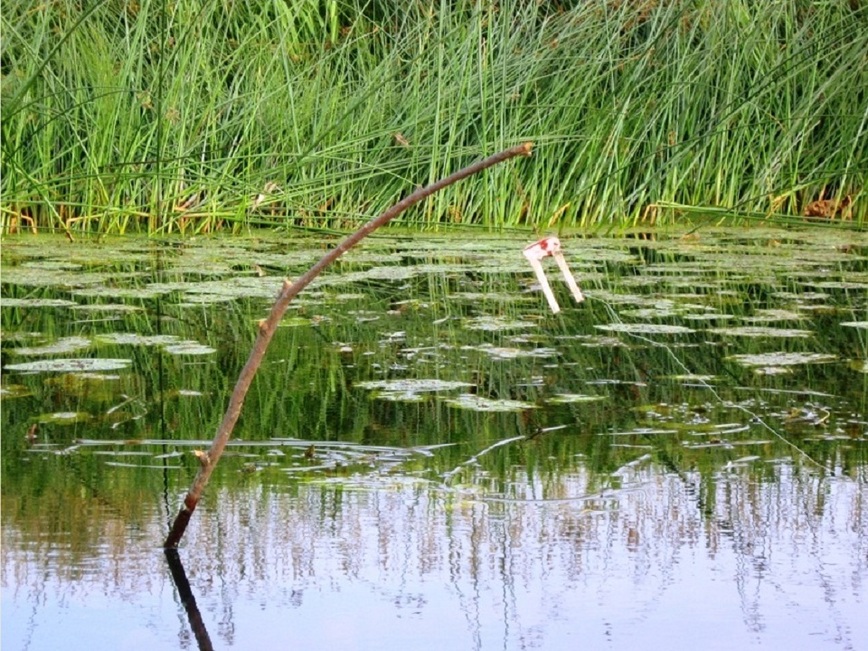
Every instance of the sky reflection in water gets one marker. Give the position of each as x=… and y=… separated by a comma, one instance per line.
x=649, y=491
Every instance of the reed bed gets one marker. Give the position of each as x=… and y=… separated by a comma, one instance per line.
x=173, y=117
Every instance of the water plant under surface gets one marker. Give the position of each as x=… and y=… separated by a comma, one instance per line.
x=171, y=117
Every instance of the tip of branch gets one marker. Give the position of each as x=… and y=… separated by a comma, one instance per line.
x=528, y=148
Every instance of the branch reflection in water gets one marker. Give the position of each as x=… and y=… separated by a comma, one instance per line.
x=188, y=600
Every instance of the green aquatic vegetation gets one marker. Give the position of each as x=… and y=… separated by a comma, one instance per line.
x=201, y=118
x=384, y=359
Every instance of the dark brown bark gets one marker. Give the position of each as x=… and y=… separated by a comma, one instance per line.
x=268, y=326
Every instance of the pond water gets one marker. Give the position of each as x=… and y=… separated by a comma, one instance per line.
x=429, y=458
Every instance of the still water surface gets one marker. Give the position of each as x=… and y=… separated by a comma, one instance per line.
x=429, y=458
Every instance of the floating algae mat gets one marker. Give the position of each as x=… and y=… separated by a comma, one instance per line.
x=428, y=457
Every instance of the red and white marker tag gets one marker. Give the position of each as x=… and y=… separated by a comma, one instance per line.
x=539, y=250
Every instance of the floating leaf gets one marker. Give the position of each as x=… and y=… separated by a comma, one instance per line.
x=693, y=377
x=760, y=331
x=709, y=316
x=772, y=316
x=121, y=464
x=409, y=390
x=189, y=348
x=569, y=398
x=642, y=431
x=62, y=346
x=35, y=302
x=479, y=403
x=293, y=322
x=64, y=418
x=645, y=328
x=661, y=311
x=498, y=297
x=14, y=391
x=70, y=365
x=500, y=352
x=135, y=339
x=93, y=386
x=196, y=300
x=108, y=307
x=782, y=359
x=413, y=385
x=843, y=284
x=137, y=293
x=773, y=370
x=496, y=324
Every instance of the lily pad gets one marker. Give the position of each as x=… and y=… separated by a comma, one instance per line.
x=413, y=386
x=64, y=418
x=135, y=339
x=36, y=302
x=189, y=348
x=760, y=331
x=502, y=352
x=709, y=316
x=645, y=328
x=773, y=316
x=107, y=307
x=14, y=391
x=137, y=293
x=478, y=403
x=293, y=322
x=70, y=365
x=773, y=370
x=499, y=297
x=571, y=398
x=197, y=300
x=62, y=346
x=496, y=324
x=782, y=359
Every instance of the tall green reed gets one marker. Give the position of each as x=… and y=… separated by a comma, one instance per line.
x=170, y=117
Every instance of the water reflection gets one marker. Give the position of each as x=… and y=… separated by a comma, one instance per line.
x=323, y=565
x=188, y=599
x=429, y=459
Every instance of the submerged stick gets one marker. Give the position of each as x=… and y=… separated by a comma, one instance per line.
x=268, y=326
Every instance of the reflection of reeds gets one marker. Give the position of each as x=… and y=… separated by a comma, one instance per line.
x=653, y=531
x=316, y=118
